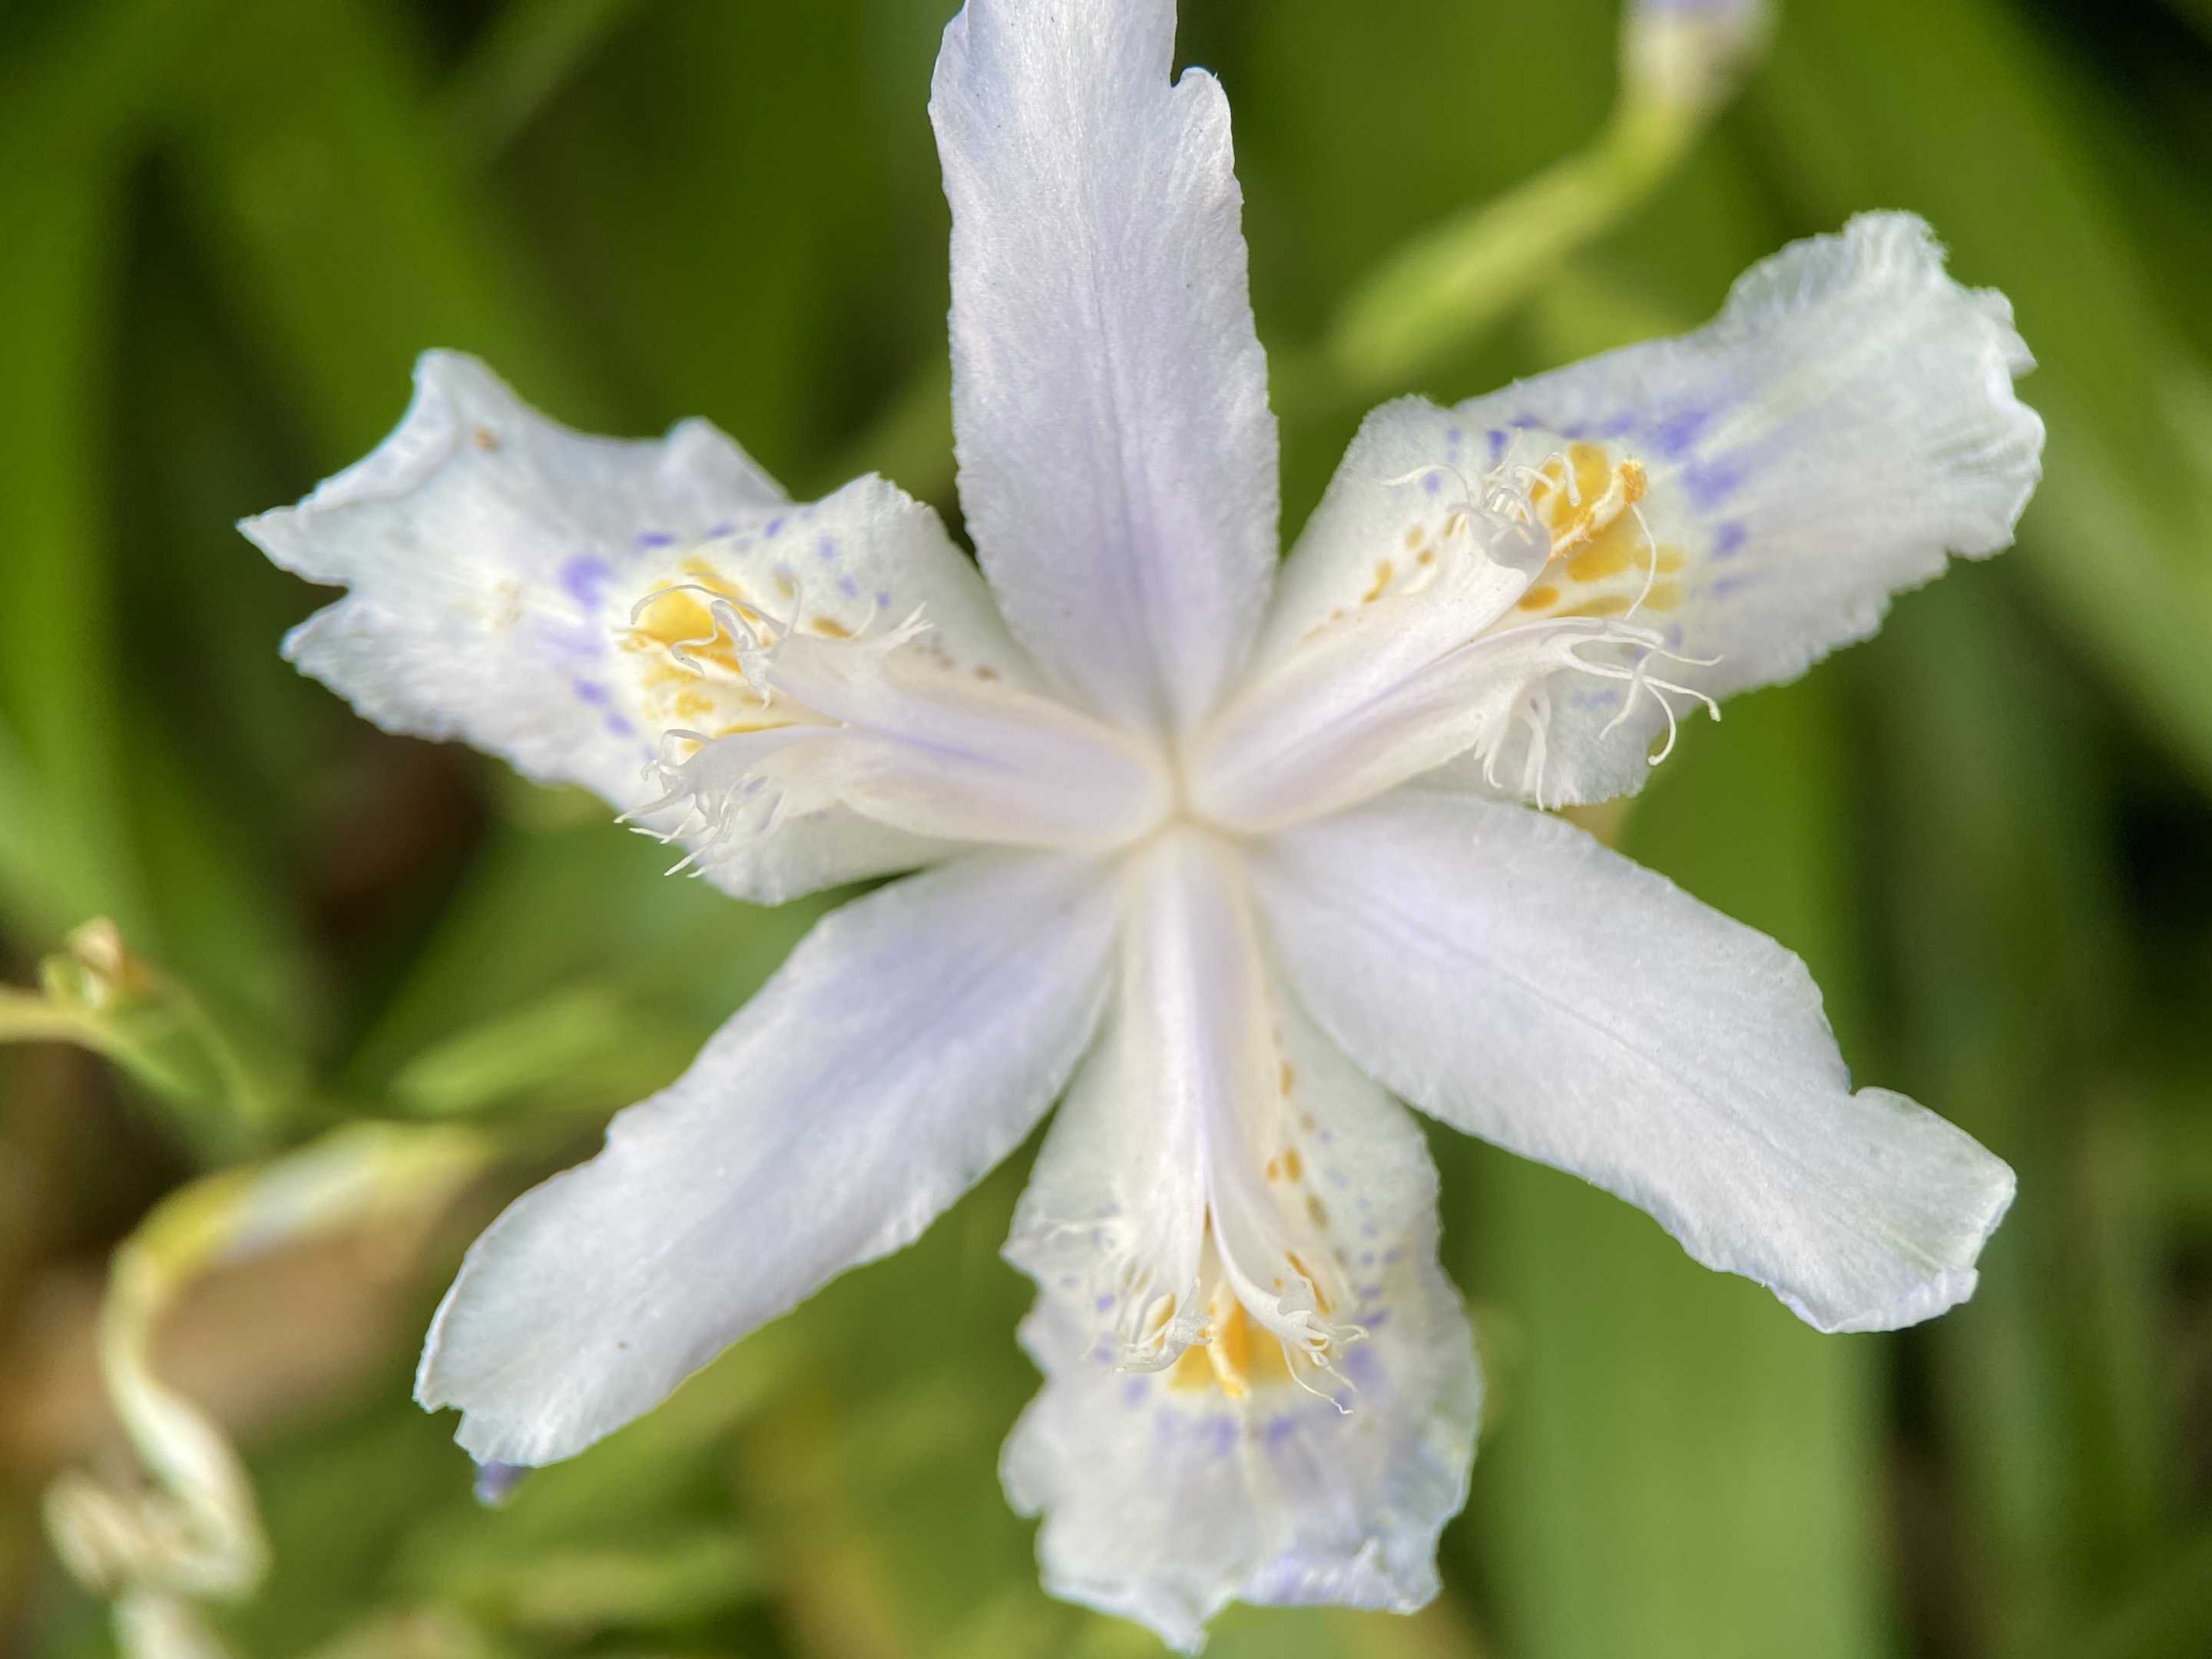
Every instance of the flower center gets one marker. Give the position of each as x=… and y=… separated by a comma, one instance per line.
x=1605, y=561
x=1239, y=1355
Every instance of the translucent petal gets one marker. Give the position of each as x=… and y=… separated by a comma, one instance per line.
x=494, y=557
x=1747, y=497
x=1503, y=971
x=1117, y=457
x=1167, y=1493
x=911, y=1042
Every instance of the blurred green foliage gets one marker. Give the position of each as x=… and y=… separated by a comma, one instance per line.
x=226, y=228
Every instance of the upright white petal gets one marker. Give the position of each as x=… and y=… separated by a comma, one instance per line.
x=494, y=558
x=1117, y=457
x=1168, y=1492
x=1505, y=972
x=1746, y=498
x=910, y=1043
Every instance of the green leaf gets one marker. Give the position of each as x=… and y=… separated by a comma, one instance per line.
x=58, y=660
x=714, y=198
x=2001, y=912
x=529, y=52
x=580, y=913
x=584, y=1047
x=341, y=225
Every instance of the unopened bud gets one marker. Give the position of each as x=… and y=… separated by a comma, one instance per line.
x=97, y=971
x=1688, y=55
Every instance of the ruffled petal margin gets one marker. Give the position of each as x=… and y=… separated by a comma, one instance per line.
x=1727, y=507
x=494, y=557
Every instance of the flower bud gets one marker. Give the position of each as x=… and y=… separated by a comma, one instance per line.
x=1688, y=55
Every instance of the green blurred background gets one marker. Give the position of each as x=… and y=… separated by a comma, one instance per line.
x=226, y=228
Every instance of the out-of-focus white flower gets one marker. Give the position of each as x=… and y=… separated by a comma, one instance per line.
x=1229, y=854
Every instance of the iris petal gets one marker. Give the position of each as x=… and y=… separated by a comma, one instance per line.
x=911, y=1042
x=495, y=559
x=1731, y=506
x=1259, y=1383
x=1167, y=1493
x=1117, y=456
x=1501, y=969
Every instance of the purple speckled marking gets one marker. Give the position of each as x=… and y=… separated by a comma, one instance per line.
x=1103, y=1304
x=883, y=598
x=620, y=727
x=1498, y=441
x=806, y=513
x=583, y=577
x=655, y=539
x=1392, y=1257
x=848, y=587
x=825, y=550
x=774, y=527
x=1361, y=1365
x=1710, y=483
x=1278, y=1430
x=1380, y=1317
x=1452, y=436
x=1619, y=426
x=578, y=642
x=591, y=691
x=1728, y=585
x=1367, y=1258
x=1675, y=434
x=1432, y=482
x=1135, y=1391
x=716, y=532
x=1524, y=423
x=1728, y=537
x=1368, y=1229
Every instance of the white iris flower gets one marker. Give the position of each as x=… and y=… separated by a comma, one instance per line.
x=1228, y=853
